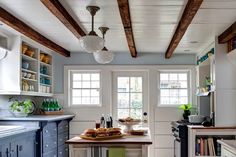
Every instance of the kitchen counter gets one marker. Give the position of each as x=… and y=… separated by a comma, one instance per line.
x=20, y=131
x=230, y=144
x=37, y=118
x=138, y=143
x=211, y=127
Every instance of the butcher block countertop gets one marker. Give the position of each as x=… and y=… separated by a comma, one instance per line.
x=141, y=140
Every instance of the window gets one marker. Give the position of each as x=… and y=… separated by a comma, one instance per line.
x=130, y=94
x=174, y=88
x=85, y=88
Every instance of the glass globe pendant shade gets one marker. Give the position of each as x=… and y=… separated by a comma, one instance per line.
x=92, y=42
x=104, y=56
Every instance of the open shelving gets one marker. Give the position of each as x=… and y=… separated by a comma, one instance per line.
x=34, y=80
x=197, y=137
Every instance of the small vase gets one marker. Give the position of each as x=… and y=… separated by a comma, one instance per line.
x=186, y=114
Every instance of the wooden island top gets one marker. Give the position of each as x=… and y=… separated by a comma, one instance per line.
x=128, y=139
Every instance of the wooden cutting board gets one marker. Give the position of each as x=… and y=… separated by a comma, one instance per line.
x=101, y=138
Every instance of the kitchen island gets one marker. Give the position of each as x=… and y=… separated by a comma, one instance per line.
x=135, y=143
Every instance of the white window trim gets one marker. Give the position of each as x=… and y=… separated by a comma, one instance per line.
x=71, y=72
x=191, y=88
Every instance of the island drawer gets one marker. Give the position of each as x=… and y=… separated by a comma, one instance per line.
x=63, y=126
x=50, y=130
x=62, y=137
x=51, y=154
x=49, y=143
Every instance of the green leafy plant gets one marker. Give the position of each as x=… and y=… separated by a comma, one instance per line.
x=185, y=107
x=22, y=106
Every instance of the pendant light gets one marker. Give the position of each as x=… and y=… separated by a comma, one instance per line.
x=92, y=42
x=104, y=56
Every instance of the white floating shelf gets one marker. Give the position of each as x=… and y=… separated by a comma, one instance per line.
x=28, y=79
x=29, y=58
x=30, y=71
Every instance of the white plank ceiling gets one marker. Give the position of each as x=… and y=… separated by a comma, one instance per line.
x=154, y=22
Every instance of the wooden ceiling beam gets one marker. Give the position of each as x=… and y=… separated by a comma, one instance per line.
x=228, y=34
x=186, y=19
x=126, y=20
x=61, y=13
x=23, y=28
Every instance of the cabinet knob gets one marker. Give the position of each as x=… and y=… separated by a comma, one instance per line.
x=60, y=139
x=55, y=142
x=46, y=131
x=60, y=152
x=46, y=145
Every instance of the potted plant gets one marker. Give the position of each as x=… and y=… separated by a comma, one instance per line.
x=186, y=108
x=21, y=108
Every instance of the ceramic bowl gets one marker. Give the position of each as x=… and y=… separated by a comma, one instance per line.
x=196, y=119
x=25, y=65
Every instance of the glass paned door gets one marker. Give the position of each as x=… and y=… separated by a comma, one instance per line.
x=130, y=94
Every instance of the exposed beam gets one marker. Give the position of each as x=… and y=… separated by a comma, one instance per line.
x=126, y=20
x=186, y=19
x=228, y=34
x=23, y=28
x=60, y=12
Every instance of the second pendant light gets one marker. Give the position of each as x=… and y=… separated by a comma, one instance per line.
x=104, y=56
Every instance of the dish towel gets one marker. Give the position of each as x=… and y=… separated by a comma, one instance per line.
x=116, y=152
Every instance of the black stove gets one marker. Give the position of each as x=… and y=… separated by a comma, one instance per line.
x=180, y=133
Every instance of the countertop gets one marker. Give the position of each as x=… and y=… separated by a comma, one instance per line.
x=140, y=140
x=12, y=133
x=230, y=144
x=37, y=118
x=211, y=127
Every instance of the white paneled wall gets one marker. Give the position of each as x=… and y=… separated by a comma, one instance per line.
x=164, y=141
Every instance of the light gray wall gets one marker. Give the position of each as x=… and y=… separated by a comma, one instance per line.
x=119, y=59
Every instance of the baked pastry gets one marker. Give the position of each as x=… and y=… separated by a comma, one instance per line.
x=90, y=133
x=137, y=132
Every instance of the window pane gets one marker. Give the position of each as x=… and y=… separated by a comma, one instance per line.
x=174, y=92
x=86, y=77
x=95, y=84
x=123, y=84
x=94, y=92
x=164, y=84
x=76, y=100
x=86, y=84
x=183, y=92
x=183, y=77
x=136, y=84
x=173, y=77
x=164, y=77
x=86, y=100
x=95, y=100
x=76, y=92
x=123, y=113
x=174, y=100
x=85, y=92
x=165, y=92
x=76, y=84
x=136, y=113
x=123, y=100
x=183, y=84
x=76, y=77
x=165, y=100
x=183, y=100
x=136, y=100
x=95, y=77
x=174, y=84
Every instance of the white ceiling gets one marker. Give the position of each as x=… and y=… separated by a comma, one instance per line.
x=154, y=22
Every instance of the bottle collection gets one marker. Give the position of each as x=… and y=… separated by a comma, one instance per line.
x=50, y=105
x=105, y=122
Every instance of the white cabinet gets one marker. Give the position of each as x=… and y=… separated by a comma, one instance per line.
x=27, y=69
x=225, y=152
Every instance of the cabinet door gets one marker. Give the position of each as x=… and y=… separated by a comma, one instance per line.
x=26, y=147
x=5, y=149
